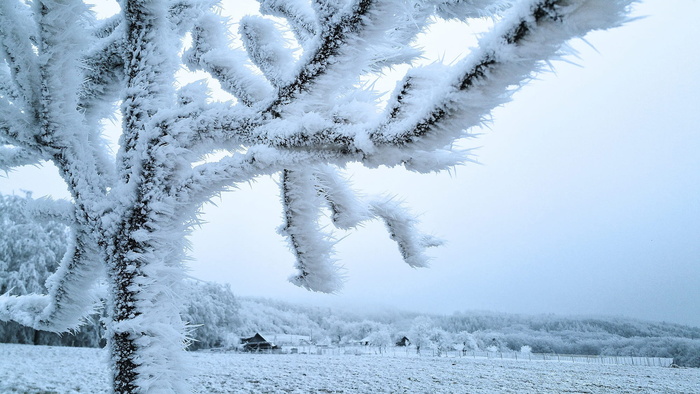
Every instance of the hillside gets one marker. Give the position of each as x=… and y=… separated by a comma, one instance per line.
x=589, y=335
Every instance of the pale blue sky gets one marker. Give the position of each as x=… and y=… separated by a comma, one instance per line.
x=587, y=200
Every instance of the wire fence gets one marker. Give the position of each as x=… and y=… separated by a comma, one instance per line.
x=475, y=354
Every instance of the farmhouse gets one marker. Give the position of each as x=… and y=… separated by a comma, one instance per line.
x=257, y=343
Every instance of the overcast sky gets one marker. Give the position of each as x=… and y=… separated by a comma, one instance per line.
x=586, y=201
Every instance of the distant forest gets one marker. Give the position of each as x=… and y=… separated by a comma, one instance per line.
x=218, y=319
x=478, y=330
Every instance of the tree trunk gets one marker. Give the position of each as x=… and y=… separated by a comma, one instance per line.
x=122, y=344
x=145, y=332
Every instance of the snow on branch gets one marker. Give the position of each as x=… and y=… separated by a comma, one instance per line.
x=347, y=210
x=17, y=49
x=17, y=131
x=467, y=9
x=343, y=49
x=61, y=72
x=433, y=105
x=265, y=46
x=71, y=287
x=208, y=179
x=210, y=52
x=107, y=27
x=534, y=31
x=62, y=39
x=402, y=229
x=11, y=157
x=48, y=209
x=313, y=249
x=104, y=72
x=8, y=91
x=22, y=309
x=298, y=14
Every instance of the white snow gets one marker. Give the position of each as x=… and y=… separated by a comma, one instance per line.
x=34, y=369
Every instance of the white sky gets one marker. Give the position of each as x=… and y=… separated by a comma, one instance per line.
x=587, y=200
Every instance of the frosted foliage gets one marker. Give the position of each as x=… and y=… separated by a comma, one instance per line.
x=29, y=251
x=300, y=110
x=211, y=312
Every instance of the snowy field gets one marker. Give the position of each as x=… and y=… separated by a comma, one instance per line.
x=40, y=369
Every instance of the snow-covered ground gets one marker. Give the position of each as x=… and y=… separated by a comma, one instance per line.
x=40, y=369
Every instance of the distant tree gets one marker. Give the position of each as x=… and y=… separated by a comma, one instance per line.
x=30, y=251
x=211, y=310
x=442, y=340
x=420, y=333
x=466, y=340
x=380, y=338
x=305, y=116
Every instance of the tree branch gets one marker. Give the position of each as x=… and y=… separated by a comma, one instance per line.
x=298, y=14
x=533, y=32
x=210, y=53
x=402, y=229
x=316, y=269
x=265, y=46
x=104, y=71
x=467, y=9
x=11, y=157
x=349, y=211
x=17, y=45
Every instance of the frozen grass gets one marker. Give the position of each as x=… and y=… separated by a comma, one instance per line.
x=40, y=369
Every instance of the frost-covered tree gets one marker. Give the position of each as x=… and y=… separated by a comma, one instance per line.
x=442, y=340
x=30, y=251
x=420, y=333
x=465, y=341
x=380, y=338
x=300, y=110
x=212, y=311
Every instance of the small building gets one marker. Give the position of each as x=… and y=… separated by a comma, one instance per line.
x=257, y=343
x=403, y=342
